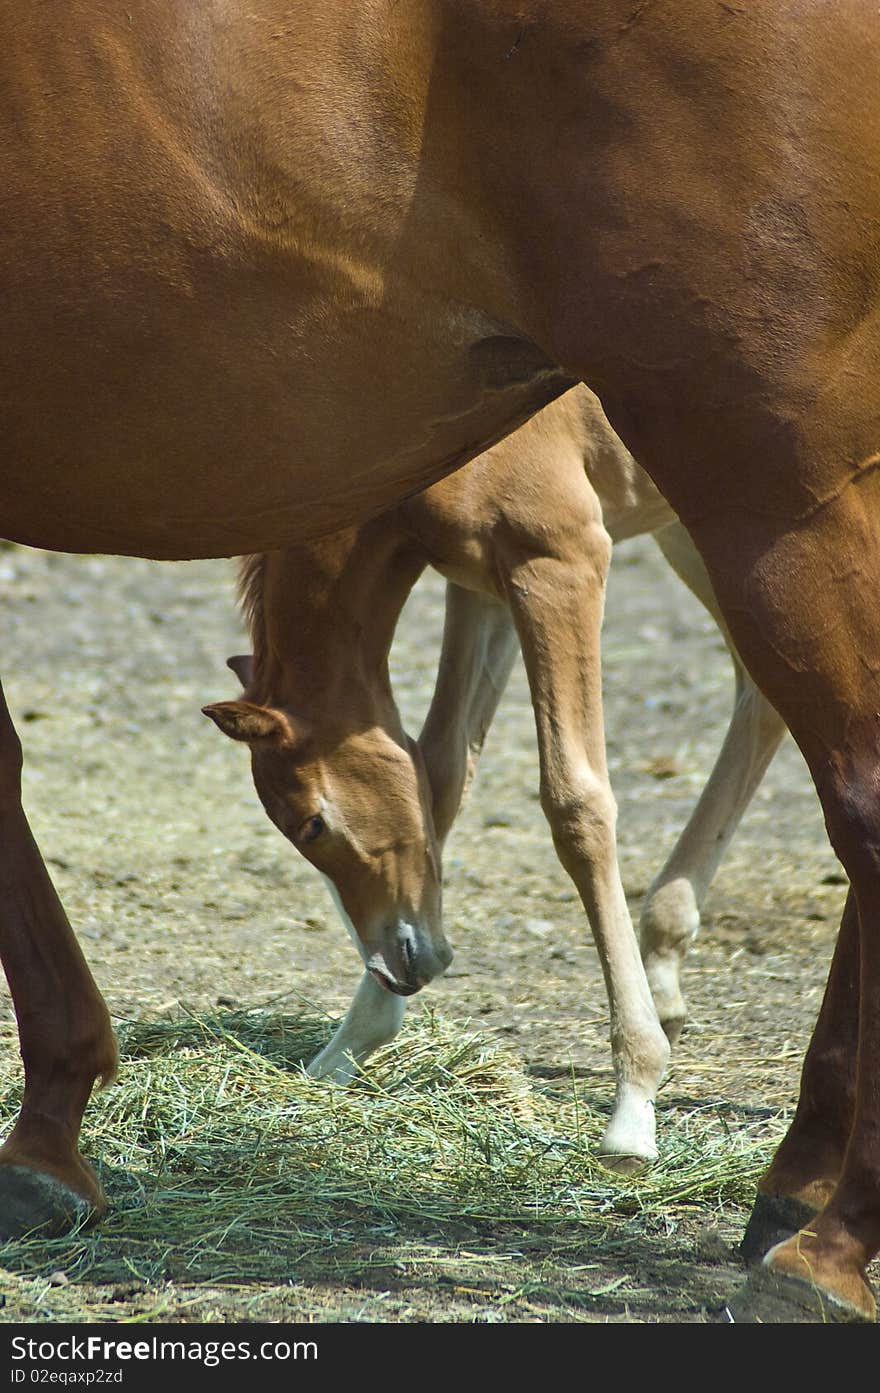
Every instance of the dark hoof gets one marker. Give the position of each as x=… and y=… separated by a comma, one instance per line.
x=673, y=1028
x=773, y=1219
x=770, y=1298
x=33, y=1202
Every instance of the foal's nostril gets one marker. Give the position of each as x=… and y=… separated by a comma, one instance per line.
x=408, y=953
x=410, y=956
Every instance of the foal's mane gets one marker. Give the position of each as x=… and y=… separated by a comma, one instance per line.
x=250, y=584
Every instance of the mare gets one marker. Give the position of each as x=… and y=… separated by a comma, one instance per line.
x=523, y=536
x=266, y=269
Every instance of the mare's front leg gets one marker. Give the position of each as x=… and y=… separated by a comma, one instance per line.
x=557, y=597
x=373, y=1019
x=480, y=645
x=64, y=1028
x=670, y=914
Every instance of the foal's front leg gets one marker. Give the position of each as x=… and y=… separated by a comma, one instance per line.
x=373, y=1019
x=64, y=1028
x=557, y=600
x=671, y=912
x=479, y=648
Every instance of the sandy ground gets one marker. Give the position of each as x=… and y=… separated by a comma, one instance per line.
x=182, y=890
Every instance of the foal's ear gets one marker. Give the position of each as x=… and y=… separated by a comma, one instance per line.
x=243, y=667
x=244, y=720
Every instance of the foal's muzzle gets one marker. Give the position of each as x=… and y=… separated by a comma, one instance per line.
x=408, y=960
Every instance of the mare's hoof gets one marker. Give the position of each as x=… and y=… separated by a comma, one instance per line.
x=33, y=1202
x=773, y=1298
x=773, y=1219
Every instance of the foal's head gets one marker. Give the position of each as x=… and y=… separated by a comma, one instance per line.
x=334, y=768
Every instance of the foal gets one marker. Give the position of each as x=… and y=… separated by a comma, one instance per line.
x=519, y=535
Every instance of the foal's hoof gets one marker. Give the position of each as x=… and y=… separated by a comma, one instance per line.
x=625, y=1164
x=624, y=1152
x=773, y=1298
x=338, y=1068
x=773, y=1219
x=673, y=1026
x=628, y=1144
x=34, y=1202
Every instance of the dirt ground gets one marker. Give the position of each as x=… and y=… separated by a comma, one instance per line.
x=181, y=890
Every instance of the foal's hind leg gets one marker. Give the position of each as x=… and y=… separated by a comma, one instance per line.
x=64, y=1028
x=557, y=600
x=671, y=912
x=480, y=645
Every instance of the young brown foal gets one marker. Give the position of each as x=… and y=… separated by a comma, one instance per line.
x=519, y=535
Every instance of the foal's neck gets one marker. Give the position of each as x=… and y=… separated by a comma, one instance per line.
x=324, y=621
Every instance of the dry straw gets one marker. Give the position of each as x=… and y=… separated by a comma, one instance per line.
x=226, y=1163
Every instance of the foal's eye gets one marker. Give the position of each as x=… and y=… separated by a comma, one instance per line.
x=311, y=830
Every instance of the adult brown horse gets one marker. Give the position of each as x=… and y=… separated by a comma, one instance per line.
x=269, y=267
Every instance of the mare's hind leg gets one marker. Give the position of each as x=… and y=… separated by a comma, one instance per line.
x=64, y=1028
x=556, y=589
x=802, y=607
x=807, y=1165
x=671, y=912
